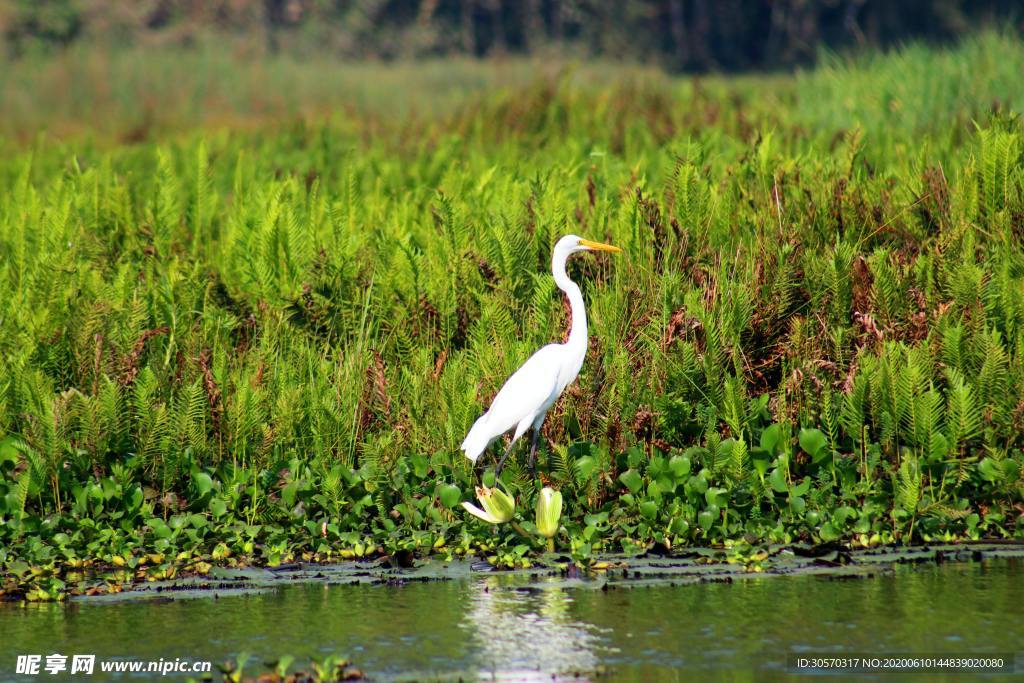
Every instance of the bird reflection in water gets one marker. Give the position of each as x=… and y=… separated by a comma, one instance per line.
x=526, y=634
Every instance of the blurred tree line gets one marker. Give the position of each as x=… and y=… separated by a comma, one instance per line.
x=695, y=35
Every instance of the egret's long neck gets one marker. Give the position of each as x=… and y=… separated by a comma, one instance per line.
x=578, y=334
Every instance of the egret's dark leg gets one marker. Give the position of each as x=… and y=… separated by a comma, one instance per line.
x=501, y=462
x=533, y=451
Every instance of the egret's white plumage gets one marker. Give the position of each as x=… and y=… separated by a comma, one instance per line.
x=525, y=398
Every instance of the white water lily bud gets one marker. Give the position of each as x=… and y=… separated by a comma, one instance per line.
x=498, y=506
x=549, y=510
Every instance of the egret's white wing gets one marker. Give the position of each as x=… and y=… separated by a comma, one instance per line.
x=531, y=389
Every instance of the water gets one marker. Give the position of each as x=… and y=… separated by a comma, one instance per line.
x=493, y=626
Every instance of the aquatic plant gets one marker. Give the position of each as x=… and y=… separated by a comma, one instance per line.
x=548, y=513
x=327, y=669
x=498, y=506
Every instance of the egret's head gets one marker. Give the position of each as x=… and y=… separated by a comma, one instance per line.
x=573, y=243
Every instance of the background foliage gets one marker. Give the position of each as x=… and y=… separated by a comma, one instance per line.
x=680, y=34
x=268, y=344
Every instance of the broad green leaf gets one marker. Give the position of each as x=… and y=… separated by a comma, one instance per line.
x=632, y=480
x=450, y=495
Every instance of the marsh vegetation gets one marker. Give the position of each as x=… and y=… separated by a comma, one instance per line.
x=263, y=343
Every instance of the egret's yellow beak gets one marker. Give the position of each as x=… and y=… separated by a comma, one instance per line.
x=598, y=246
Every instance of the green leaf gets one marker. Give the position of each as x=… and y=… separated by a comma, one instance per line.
x=680, y=466
x=717, y=496
x=135, y=499
x=777, y=480
x=829, y=533
x=761, y=459
x=9, y=449
x=771, y=439
x=989, y=471
x=585, y=467
x=596, y=518
x=655, y=467
x=202, y=482
x=803, y=487
x=160, y=530
x=635, y=456
x=218, y=508
x=420, y=465
x=705, y=520
x=814, y=443
x=281, y=668
x=289, y=492
x=939, y=447
x=680, y=526
x=632, y=480
x=1011, y=469
x=844, y=513
x=450, y=495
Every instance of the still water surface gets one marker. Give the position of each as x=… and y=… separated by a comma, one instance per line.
x=492, y=627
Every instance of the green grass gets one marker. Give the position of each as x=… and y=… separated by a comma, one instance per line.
x=238, y=345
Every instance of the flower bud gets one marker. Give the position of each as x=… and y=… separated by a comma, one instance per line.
x=498, y=506
x=549, y=510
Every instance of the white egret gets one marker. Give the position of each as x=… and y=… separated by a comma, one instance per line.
x=528, y=394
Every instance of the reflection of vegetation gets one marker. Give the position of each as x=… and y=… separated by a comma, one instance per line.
x=265, y=346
